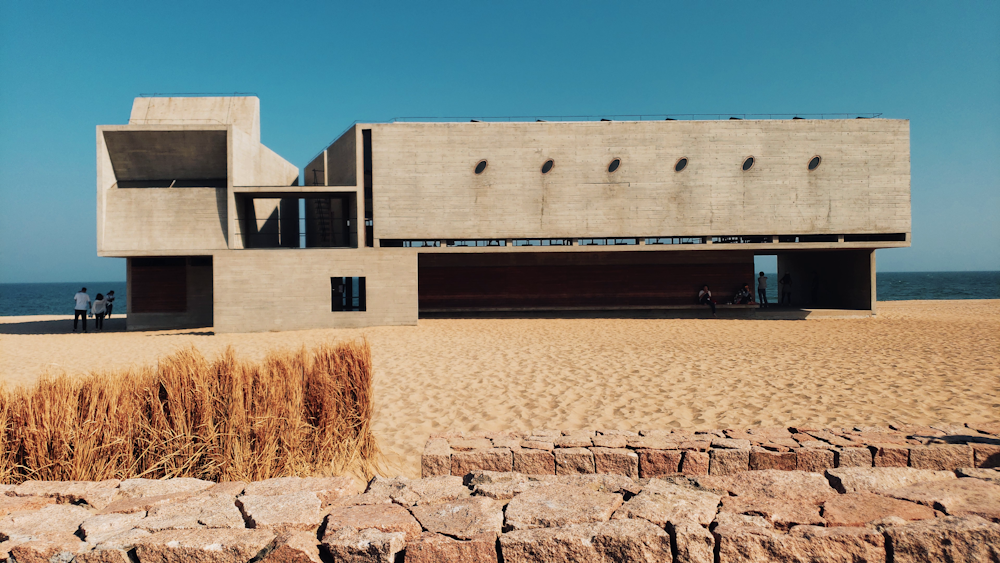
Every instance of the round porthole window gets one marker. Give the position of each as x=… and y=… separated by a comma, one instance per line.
x=681, y=164
x=614, y=165
x=748, y=163
x=547, y=167
x=814, y=163
x=481, y=167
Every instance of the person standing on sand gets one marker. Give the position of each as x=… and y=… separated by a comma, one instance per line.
x=762, y=290
x=786, y=289
x=82, y=307
x=109, y=302
x=99, y=309
x=705, y=298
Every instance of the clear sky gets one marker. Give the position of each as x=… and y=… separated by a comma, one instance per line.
x=66, y=67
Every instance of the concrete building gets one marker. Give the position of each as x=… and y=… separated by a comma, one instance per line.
x=395, y=220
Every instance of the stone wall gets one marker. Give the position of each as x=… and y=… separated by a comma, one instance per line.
x=848, y=513
x=658, y=453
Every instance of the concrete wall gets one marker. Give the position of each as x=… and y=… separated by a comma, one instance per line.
x=836, y=279
x=240, y=111
x=424, y=185
x=342, y=160
x=199, y=301
x=141, y=221
x=258, y=290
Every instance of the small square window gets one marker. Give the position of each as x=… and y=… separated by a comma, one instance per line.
x=347, y=294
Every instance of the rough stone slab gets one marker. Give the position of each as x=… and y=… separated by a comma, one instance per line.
x=829, y=437
x=489, y=459
x=853, y=457
x=891, y=456
x=655, y=442
x=387, y=518
x=780, y=513
x=97, y=494
x=726, y=518
x=661, y=502
x=945, y=539
x=574, y=460
x=464, y=519
x=657, y=463
x=610, y=441
x=125, y=540
x=469, y=444
x=226, y=489
x=731, y=444
x=728, y=462
x=803, y=544
x=511, y=442
x=20, y=504
x=47, y=548
x=956, y=497
x=694, y=544
x=761, y=458
x=328, y=489
x=370, y=545
x=986, y=455
x=51, y=519
x=559, y=505
x=203, y=546
x=435, y=548
x=142, y=504
x=943, y=457
x=436, y=459
x=504, y=486
x=991, y=475
x=193, y=512
x=858, y=509
x=985, y=427
x=616, y=461
x=879, y=479
x=537, y=444
x=696, y=463
x=406, y=492
x=604, y=483
x=576, y=439
x=294, y=547
x=102, y=556
x=606, y=542
x=98, y=529
x=534, y=461
x=137, y=488
x=809, y=487
x=300, y=510
x=815, y=460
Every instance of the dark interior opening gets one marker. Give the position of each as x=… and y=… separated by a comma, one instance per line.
x=158, y=285
x=347, y=294
x=366, y=136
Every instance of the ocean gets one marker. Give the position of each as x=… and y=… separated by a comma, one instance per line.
x=57, y=298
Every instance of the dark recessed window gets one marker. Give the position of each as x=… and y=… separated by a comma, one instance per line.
x=748, y=163
x=814, y=163
x=614, y=165
x=547, y=166
x=481, y=167
x=681, y=164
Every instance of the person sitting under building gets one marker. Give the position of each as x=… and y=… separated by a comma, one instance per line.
x=743, y=296
x=705, y=298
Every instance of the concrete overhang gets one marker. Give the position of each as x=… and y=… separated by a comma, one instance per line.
x=145, y=157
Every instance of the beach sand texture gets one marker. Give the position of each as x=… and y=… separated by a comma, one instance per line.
x=917, y=362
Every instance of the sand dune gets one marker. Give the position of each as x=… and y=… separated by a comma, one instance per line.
x=918, y=362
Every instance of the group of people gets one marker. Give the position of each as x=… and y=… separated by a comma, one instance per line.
x=744, y=295
x=100, y=308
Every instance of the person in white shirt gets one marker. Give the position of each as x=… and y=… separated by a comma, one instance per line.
x=705, y=298
x=762, y=290
x=99, y=309
x=82, y=307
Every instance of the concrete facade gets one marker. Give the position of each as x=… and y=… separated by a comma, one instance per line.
x=189, y=178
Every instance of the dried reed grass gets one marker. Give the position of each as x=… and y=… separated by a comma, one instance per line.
x=296, y=413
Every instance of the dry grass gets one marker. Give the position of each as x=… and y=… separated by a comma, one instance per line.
x=295, y=413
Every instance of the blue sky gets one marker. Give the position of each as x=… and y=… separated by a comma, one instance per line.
x=66, y=67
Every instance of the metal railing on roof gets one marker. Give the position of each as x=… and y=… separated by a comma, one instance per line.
x=640, y=117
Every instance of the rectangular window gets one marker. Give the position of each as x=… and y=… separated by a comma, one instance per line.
x=347, y=294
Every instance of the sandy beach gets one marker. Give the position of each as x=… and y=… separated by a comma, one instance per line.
x=917, y=362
